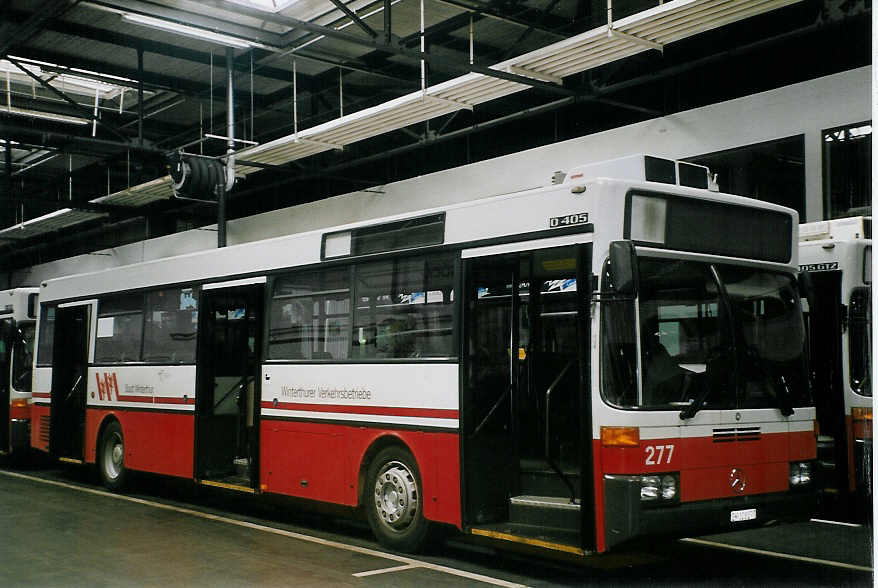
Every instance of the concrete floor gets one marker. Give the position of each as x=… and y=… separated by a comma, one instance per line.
x=58, y=528
x=55, y=536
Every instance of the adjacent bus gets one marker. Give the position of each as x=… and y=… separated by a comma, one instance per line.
x=837, y=254
x=570, y=368
x=18, y=311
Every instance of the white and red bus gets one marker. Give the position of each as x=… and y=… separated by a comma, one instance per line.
x=570, y=367
x=18, y=312
x=837, y=254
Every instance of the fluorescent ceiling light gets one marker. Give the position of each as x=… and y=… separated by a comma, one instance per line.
x=8, y=67
x=173, y=27
x=266, y=5
x=65, y=82
x=73, y=120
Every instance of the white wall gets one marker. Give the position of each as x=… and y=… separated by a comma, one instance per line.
x=801, y=109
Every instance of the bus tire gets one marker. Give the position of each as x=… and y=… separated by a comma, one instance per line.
x=394, y=500
x=111, y=457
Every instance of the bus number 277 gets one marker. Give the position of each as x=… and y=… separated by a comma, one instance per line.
x=658, y=454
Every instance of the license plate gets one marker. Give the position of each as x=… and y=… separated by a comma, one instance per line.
x=748, y=514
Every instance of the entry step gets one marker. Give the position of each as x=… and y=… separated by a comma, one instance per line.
x=551, y=512
x=545, y=501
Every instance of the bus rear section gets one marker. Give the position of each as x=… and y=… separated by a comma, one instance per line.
x=835, y=256
x=18, y=309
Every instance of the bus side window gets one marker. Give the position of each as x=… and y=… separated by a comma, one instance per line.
x=171, y=326
x=120, y=329
x=310, y=316
x=860, y=333
x=404, y=308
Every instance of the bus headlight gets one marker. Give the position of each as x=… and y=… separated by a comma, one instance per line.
x=800, y=474
x=658, y=489
x=649, y=488
x=653, y=490
x=669, y=487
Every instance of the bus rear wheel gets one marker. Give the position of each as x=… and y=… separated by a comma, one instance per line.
x=111, y=457
x=394, y=500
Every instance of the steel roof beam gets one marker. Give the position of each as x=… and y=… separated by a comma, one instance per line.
x=294, y=23
x=497, y=15
x=34, y=23
x=356, y=19
x=84, y=112
x=156, y=47
x=193, y=19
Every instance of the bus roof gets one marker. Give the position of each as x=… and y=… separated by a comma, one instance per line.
x=468, y=222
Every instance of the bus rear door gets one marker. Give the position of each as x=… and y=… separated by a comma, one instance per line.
x=227, y=386
x=69, y=373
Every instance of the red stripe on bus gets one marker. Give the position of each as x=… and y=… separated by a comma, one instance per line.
x=173, y=400
x=439, y=413
x=41, y=394
x=122, y=398
x=19, y=412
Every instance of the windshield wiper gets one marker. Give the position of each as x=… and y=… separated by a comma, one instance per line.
x=781, y=390
x=691, y=410
x=786, y=399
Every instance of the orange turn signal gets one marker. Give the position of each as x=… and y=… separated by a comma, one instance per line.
x=19, y=403
x=861, y=413
x=620, y=436
x=861, y=417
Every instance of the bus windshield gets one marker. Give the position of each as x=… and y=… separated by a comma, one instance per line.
x=22, y=360
x=729, y=336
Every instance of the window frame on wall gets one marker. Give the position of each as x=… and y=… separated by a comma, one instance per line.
x=737, y=183
x=829, y=211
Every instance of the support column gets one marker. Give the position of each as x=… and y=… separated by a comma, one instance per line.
x=140, y=96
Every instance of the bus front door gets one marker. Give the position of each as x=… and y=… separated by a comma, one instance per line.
x=227, y=384
x=825, y=329
x=523, y=402
x=69, y=373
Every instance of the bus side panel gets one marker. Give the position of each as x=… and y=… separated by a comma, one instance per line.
x=157, y=442
x=39, y=430
x=321, y=461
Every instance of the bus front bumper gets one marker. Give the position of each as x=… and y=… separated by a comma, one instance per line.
x=627, y=518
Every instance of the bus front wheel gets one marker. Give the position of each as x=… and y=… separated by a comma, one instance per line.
x=111, y=457
x=394, y=500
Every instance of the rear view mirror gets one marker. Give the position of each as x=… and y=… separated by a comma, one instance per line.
x=623, y=267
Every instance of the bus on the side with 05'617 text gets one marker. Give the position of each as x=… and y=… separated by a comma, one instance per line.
x=837, y=256
x=570, y=367
x=18, y=313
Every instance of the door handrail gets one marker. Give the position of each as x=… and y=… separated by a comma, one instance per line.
x=548, y=454
x=490, y=413
x=73, y=389
x=239, y=385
